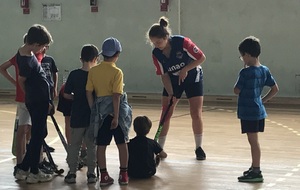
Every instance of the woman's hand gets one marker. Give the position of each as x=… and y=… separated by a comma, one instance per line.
x=172, y=97
x=182, y=75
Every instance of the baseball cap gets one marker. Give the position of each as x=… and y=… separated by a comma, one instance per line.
x=110, y=46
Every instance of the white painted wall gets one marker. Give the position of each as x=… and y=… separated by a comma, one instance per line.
x=217, y=26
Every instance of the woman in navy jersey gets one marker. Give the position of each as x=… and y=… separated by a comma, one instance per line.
x=178, y=62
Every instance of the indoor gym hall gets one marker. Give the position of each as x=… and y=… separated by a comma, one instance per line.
x=227, y=151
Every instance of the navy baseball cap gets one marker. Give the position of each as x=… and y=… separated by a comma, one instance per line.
x=110, y=46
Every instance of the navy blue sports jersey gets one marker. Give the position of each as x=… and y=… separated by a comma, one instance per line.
x=183, y=52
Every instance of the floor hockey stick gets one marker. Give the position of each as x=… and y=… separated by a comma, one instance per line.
x=62, y=138
x=53, y=165
x=162, y=121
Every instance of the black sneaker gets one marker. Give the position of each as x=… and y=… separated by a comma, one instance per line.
x=91, y=178
x=70, y=178
x=246, y=172
x=200, y=154
x=252, y=177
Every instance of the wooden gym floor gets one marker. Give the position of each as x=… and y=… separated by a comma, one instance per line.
x=228, y=153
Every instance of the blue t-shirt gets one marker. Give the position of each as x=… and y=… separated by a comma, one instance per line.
x=37, y=88
x=251, y=82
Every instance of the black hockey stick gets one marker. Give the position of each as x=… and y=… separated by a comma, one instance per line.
x=62, y=138
x=53, y=165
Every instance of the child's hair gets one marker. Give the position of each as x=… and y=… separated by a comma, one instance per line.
x=160, y=29
x=250, y=45
x=89, y=52
x=38, y=34
x=142, y=125
x=25, y=38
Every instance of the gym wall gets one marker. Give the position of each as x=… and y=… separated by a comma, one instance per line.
x=216, y=26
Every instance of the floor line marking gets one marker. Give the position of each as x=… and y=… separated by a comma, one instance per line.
x=280, y=179
x=271, y=184
x=50, y=143
x=294, y=169
x=288, y=174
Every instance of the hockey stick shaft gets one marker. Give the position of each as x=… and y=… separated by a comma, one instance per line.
x=162, y=121
x=62, y=138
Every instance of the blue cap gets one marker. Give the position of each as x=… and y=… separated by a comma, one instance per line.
x=111, y=46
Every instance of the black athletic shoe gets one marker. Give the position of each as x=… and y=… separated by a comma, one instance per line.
x=252, y=177
x=200, y=154
x=246, y=172
x=70, y=178
x=91, y=178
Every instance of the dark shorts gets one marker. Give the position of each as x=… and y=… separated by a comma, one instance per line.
x=190, y=89
x=105, y=134
x=64, y=105
x=252, y=126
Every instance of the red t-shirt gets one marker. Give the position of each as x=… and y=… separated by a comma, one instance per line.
x=20, y=95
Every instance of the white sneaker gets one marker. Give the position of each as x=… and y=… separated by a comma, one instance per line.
x=21, y=174
x=40, y=177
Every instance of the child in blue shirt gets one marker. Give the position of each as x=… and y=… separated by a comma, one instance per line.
x=251, y=111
